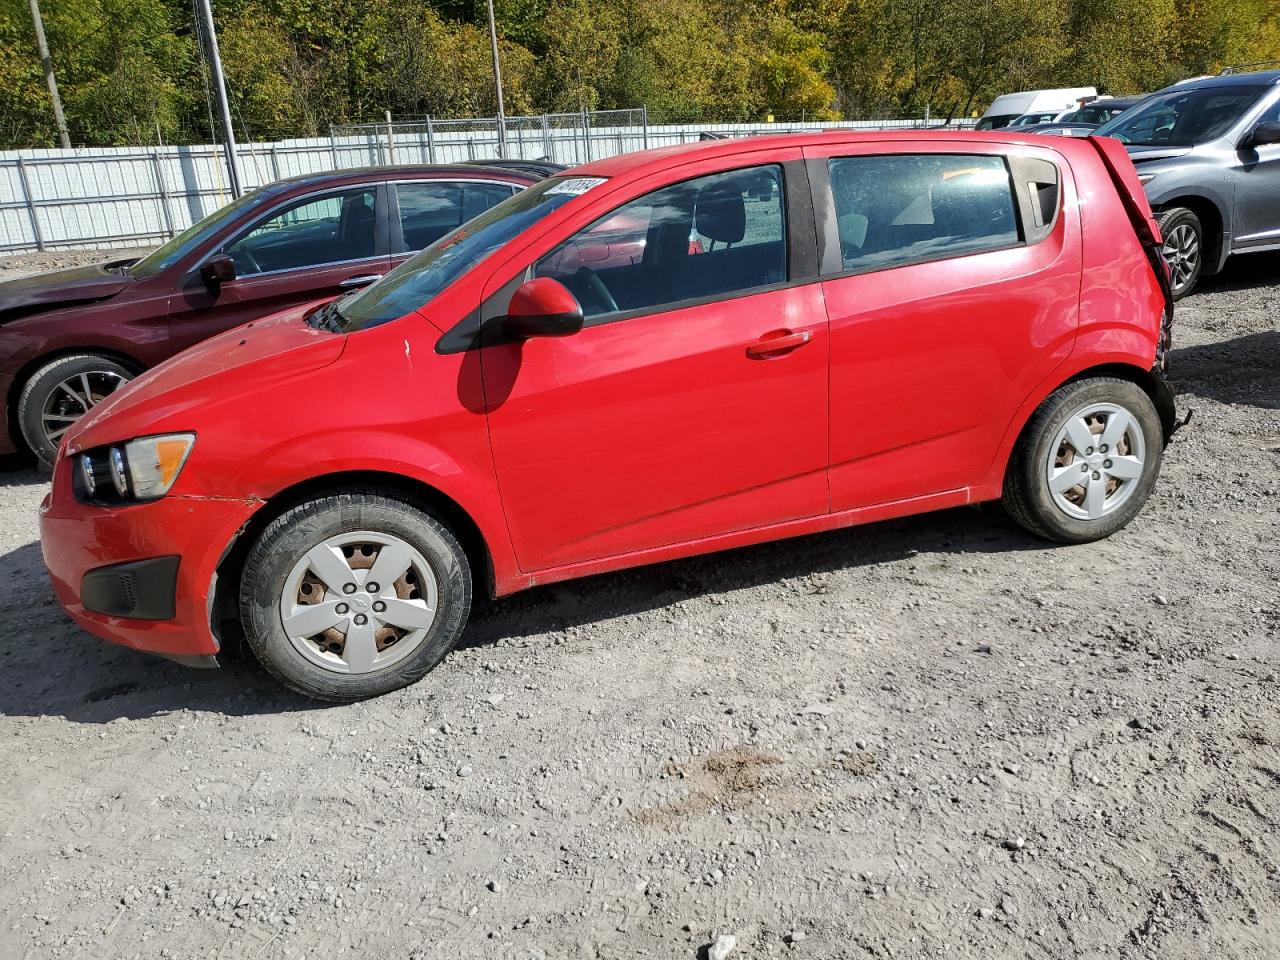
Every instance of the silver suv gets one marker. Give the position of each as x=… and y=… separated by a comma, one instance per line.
x=1208, y=153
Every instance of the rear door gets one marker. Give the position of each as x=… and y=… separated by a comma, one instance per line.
x=694, y=401
x=305, y=248
x=951, y=274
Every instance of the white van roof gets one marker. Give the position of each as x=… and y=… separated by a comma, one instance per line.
x=1038, y=101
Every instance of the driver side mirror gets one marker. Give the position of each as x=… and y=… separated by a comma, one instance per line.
x=542, y=307
x=217, y=270
x=1263, y=133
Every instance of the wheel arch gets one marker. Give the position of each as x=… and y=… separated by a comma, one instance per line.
x=224, y=602
x=24, y=373
x=1121, y=368
x=1213, y=218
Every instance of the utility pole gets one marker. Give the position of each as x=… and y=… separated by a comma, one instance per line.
x=497, y=82
x=220, y=89
x=47, y=63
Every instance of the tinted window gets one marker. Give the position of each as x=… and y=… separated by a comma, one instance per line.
x=1183, y=119
x=422, y=277
x=430, y=210
x=893, y=210
x=713, y=236
x=308, y=233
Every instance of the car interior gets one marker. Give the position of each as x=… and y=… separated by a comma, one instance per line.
x=897, y=209
x=706, y=237
x=320, y=230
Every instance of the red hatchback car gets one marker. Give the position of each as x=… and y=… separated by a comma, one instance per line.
x=71, y=337
x=804, y=333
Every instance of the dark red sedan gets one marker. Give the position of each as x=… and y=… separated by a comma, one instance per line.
x=70, y=338
x=794, y=334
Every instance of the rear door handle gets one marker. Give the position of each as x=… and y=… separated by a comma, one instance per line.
x=361, y=281
x=776, y=344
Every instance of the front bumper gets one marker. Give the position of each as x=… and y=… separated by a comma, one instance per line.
x=80, y=539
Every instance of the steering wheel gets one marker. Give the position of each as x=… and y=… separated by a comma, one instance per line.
x=598, y=290
x=243, y=253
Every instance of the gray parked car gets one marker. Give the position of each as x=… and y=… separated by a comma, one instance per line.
x=1208, y=153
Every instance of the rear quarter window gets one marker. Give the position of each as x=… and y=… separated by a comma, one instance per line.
x=908, y=208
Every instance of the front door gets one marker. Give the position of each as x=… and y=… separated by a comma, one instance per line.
x=949, y=301
x=306, y=249
x=693, y=402
x=1257, y=195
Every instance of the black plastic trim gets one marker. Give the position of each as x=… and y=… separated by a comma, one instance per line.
x=139, y=590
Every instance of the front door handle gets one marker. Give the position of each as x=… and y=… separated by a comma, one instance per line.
x=776, y=344
x=361, y=281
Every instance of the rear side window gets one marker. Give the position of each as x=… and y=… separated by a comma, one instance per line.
x=714, y=236
x=905, y=208
x=430, y=210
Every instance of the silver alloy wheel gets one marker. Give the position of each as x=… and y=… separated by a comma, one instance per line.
x=72, y=398
x=1096, y=460
x=1182, y=253
x=359, y=602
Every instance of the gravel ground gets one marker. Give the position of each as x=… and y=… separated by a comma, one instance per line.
x=926, y=738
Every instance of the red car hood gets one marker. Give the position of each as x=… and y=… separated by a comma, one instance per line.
x=170, y=397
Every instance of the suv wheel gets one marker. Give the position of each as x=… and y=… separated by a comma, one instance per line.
x=1086, y=461
x=1183, y=248
x=354, y=595
x=60, y=393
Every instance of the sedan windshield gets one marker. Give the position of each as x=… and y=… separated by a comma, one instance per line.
x=1182, y=119
x=422, y=277
x=162, y=258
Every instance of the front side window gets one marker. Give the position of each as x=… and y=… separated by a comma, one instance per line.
x=428, y=211
x=893, y=210
x=311, y=232
x=1183, y=119
x=714, y=236
x=163, y=257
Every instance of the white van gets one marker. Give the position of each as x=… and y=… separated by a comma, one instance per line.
x=1005, y=109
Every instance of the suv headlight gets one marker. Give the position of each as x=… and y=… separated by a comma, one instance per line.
x=141, y=469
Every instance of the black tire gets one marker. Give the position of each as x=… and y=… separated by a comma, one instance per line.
x=1027, y=496
x=288, y=538
x=1185, y=265
x=40, y=388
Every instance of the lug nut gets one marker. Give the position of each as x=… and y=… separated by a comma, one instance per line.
x=1107, y=464
x=1084, y=468
x=1097, y=476
x=371, y=587
x=379, y=607
x=1089, y=451
x=361, y=619
x=348, y=588
x=1103, y=448
x=342, y=608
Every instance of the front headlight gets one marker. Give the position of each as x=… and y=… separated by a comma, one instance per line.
x=141, y=469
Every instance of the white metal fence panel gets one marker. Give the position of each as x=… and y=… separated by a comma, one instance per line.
x=118, y=197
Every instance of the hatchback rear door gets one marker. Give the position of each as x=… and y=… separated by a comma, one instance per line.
x=951, y=274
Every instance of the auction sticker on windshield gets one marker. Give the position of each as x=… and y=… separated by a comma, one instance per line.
x=576, y=185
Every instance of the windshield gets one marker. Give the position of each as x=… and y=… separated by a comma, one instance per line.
x=1182, y=119
x=162, y=258
x=420, y=279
